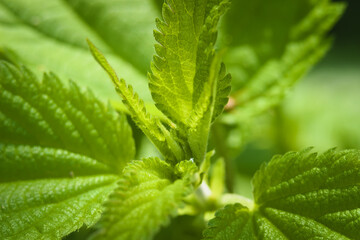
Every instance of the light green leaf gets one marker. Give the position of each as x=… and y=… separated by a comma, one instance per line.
x=273, y=46
x=299, y=195
x=51, y=209
x=61, y=151
x=148, y=195
x=186, y=76
x=185, y=128
x=185, y=52
x=50, y=115
x=50, y=35
x=151, y=126
x=223, y=90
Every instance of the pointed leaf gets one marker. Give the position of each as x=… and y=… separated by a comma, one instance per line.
x=185, y=52
x=152, y=127
x=186, y=76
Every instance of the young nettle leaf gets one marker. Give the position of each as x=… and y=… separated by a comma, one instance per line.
x=150, y=191
x=188, y=82
x=185, y=78
x=185, y=49
x=151, y=126
x=299, y=195
x=61, y=151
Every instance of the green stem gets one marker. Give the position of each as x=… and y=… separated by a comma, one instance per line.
x=221, y=149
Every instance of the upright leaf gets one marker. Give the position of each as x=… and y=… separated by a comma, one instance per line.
x=148, y=195
x=299, y=195
x=186, y=78
x=152, y=127
x=185, y=52
x=60, y=153
x=185, y=81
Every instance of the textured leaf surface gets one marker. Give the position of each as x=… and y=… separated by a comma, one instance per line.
x=61, y=151
x=151, y=126
x=273, y=45
x=50, y=115
x=51, y=35
x=181, y=68
x=299, y=195
x=188, y=82
x=150, y=192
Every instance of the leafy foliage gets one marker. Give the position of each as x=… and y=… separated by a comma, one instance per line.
x=185, y=77
x=51, y=35
x=60, y=153
x=299, y=195
x=50, y=115
x=152, y=127
x=181, y=68
x=65, y=158
x=268, y=54
x=148, y=194
x=184, y=80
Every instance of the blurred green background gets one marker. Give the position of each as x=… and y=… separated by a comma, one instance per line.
x=322, y=110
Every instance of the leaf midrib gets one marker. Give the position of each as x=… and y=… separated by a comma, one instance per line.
x=52, y=210
x=82, y=191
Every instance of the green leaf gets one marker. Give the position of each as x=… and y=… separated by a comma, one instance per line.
x=223, y=90
x=61, y=151
x=273, y=46
x=299, y=195
x=51, y=35
x=151, y=126
x=181, y=68
x=186, y=126
x=232, y=222
x=148, y=195
x=48, y=114
x=51, y=208
x=186, y=76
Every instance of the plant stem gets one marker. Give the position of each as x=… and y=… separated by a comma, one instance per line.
x=221, y=149
x=203, y=192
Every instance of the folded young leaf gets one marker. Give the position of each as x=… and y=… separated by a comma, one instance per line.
x=61, y=151
x=273, y=46
x=148, y=195
x=299, y=195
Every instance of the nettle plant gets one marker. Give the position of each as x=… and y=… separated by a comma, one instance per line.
x=67, y=160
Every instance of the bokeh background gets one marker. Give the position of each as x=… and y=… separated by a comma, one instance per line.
x=322, y=110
